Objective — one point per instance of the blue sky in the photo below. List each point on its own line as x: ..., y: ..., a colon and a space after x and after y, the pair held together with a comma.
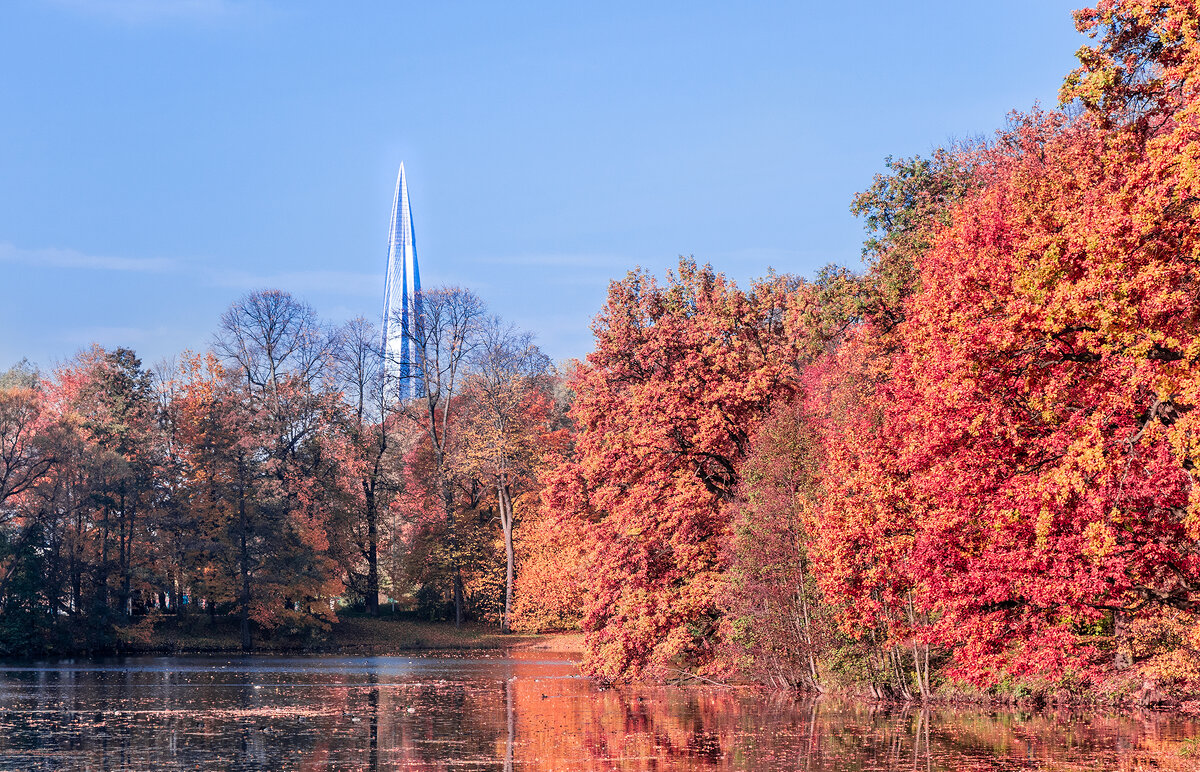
x: 160, y: 158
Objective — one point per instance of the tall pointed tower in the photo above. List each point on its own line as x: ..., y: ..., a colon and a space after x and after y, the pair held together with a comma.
x: 401, y: 297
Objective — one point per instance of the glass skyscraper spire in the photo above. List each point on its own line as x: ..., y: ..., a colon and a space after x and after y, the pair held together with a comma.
x: 401, y: 297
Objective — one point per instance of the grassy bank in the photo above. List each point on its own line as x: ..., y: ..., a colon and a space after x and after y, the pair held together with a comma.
x: 352, y: 634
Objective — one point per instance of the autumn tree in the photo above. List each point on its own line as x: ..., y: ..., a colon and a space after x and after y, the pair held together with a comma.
x: 108, y: 398
x: 506, y: 426
x: 445, y: 335
x: 280, y: 352
x: 852, y: 326
x: 557, y: 535
x: 24, y: 455
x: 359, y: 369
x: 1139, y: 77
x: 80, y: 526
x: 665, y: 407
x: 213, y: 428
x: 28, y: 454
x: 902, y: 212
x: 1036, y: 419
x: 178, y: 529
x: 778, y: 626
x: 1054, y: 334
x: 1023, y: 489
x: 554, y: 559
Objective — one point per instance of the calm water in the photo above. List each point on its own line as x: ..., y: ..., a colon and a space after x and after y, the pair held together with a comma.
x: 528, y: 713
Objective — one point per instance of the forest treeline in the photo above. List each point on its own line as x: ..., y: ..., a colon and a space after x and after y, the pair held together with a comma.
x: 972, y: 463
x: 276, y: 478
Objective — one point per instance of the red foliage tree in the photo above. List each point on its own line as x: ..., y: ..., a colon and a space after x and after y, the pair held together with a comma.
x: 665, y: 406
x: 1028, y: 463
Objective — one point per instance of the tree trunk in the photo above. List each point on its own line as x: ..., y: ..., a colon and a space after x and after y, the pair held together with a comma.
x: 900, y: 681
x: 802, y: 595
x: 372, y: 551
x: 244, y: 569
x: 77, y: 567
x: 458, y: 597
x: 122, y: 559
x: 506, y: 522
x: 917, y: 649
x: 448, y: 504
x: 1121, y: 658
x: 101, y: 599
x: 127, y: 561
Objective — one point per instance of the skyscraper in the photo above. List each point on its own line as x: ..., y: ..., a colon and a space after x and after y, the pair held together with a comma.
x: 401, y: 297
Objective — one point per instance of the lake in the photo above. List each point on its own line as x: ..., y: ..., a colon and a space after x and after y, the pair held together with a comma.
x: 526, y: 711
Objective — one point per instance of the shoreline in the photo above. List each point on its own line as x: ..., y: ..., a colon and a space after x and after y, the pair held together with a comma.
x: 360, y: 635
x: 350, y: 635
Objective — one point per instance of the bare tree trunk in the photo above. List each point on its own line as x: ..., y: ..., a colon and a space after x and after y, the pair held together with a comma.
x: 813, y: 672
x: 898, y: 674
x: 922, y: 671
x: 506, y: 521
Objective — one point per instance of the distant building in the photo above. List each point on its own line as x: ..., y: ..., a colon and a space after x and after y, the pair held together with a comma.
x: 401, y: 298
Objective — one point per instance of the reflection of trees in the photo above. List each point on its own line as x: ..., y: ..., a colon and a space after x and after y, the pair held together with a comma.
x: 373, y: 717
x: 646, y: 729
x: 513, y: 717
x: 1045, y: 738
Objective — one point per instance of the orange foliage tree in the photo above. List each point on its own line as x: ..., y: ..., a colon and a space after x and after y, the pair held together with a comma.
x: 506, y: 428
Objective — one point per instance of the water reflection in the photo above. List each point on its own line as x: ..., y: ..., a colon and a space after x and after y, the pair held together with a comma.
x: 513, y: 713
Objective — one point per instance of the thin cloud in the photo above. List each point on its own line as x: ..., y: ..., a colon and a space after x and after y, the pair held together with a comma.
x: 70, y: 258
x: 114, y: 335
x: 561, y: 336
x: 774, y: 257
x: 587, y: 268
x: 570, y: 270
x: 564, y: 260
x: 297, y: 282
